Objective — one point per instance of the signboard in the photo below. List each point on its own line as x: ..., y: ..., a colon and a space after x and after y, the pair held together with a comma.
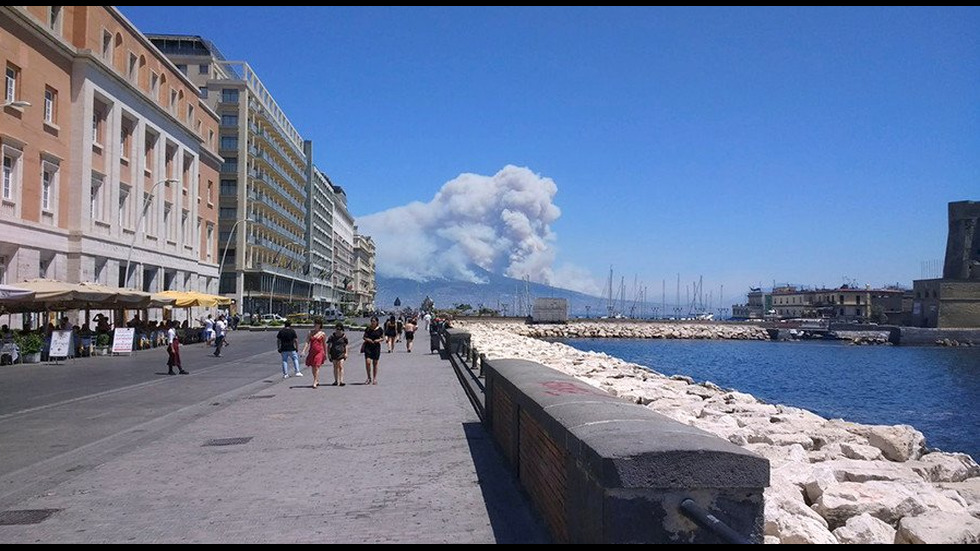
x: 122, y: 340
x: 60, y: 344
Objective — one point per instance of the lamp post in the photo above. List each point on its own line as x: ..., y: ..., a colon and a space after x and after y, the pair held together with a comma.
x: 136, y: 232
x: 14, y: 103
x: 275, y: 262
x: 221, y: 267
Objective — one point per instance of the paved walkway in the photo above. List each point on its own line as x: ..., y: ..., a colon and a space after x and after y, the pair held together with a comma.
x: 405, y: 461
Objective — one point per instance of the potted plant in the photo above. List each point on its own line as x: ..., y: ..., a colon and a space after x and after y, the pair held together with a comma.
x: 30, y: 346
x: 102, y: 343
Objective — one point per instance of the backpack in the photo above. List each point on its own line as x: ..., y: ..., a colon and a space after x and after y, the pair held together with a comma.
x: 338, y: 346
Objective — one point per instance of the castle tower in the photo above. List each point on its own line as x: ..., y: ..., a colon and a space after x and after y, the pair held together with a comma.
x: 963, y: 243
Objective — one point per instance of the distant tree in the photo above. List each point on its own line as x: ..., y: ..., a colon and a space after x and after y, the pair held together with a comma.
x: 484, y: 311
x: 462, y: 307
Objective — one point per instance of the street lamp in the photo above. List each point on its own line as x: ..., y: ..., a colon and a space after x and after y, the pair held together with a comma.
x: 15, y: 103
x: 221, y: 266
x: 275, y: 263
x: 146, y: 206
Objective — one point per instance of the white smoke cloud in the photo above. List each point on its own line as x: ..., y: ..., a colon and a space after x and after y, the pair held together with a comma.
x: 500, y: 223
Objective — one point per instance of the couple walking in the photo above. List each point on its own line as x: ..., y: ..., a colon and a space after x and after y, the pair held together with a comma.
x: 317, y: 349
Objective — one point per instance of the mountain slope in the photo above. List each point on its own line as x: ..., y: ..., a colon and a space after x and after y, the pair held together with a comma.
x: 505, y: 294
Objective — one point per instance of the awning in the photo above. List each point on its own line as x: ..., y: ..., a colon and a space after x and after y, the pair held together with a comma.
x: 187, y: 299
x: 10, y: 292
x: 49, y: 294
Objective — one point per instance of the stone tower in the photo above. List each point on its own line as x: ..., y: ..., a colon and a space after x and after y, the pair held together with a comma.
x: 963, y: 242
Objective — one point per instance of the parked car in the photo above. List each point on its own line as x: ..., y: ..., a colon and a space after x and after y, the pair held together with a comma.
x: 267, y: 318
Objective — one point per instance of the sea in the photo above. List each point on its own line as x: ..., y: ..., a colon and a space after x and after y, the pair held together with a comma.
x: 934, y: 389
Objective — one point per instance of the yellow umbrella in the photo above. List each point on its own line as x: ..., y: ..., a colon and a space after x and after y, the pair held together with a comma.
x: 187, y: 299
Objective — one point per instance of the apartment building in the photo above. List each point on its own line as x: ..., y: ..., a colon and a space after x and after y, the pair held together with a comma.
x: 110, y: 166
x: 364, y: 272
x: 343, y: 253
x: 321, y: 243
x: 264, y: 193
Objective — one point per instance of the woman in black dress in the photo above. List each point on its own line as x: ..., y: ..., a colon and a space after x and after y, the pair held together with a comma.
x: 391, y: 333
x: 373, y: 337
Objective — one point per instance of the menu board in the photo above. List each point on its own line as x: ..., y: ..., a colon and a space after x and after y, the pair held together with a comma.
x: 122, y: 340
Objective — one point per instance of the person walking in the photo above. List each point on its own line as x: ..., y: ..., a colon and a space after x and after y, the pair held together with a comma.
x: 337, y: 345
x: 400, y: 326
x: 173, y: 351
x: 219, y: 335
x: 209, y: 330
x: 391, y: 332
x: 315, y: 350
x: 287, y: 342
x: 409, y: 333
x: 373, y: 337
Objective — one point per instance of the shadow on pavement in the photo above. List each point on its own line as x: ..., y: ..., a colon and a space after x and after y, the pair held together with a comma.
x: 512, y: 518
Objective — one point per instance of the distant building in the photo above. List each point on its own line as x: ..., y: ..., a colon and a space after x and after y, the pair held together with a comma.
x: 759, y: 302
x: 954, y: 299
x: 364, y: 273
x: 843, y: 304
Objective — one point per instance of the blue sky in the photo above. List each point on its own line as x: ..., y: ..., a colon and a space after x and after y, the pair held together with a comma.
x: 741, y: 145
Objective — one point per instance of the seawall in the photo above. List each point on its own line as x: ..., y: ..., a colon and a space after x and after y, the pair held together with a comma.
x: 832, y: 481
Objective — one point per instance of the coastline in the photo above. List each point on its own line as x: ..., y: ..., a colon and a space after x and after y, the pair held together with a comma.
x: 832, y: 481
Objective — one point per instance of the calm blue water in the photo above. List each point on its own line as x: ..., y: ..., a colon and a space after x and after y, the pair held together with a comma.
x: 934, y: 389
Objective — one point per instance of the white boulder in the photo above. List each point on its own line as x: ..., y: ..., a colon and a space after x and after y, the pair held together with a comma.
x: 865, y: 529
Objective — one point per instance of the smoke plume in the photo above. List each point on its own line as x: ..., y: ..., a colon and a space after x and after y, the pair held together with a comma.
x: 500, y: 223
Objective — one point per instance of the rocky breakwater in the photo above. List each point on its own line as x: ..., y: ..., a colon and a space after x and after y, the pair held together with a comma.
x: 832, y: 481
x: 628, y: 330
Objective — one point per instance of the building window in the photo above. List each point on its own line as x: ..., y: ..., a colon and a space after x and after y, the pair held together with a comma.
x: 125, y: 132
x: 190, y: 114
x: 107, y: 46
x: 229, y: 120
x: 229, y: 142
x: 229, y: 187
x: 95, y: 199
x: 203, y: 69
x: 133, y: 67
x: 123, y: 210
x: 97, y: 127
x: 230, y: 164
x: 54, y: 19
x: 171, y: 162
x: 210, y: 240
x: 229, y: 95
x: 167, y: 230
x: 203, y: 92
x: 49, y: 185
x: 50, y: 101
x: 173, y: 101
x: 11, y: 174
x: 182, y: 68
x: 155, y: 85
x: 210, y: 192
x: 11, y: 84
x: 185, y: 238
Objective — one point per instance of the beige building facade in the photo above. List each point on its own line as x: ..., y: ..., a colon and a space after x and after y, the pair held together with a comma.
x: 110, y: 174
x: 364, y: 272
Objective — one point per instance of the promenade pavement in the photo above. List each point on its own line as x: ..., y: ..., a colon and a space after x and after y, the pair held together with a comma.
x: 405, y: 461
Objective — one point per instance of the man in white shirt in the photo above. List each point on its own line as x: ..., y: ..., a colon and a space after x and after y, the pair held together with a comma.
x: 219, y: 335
x: 173, y: 350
